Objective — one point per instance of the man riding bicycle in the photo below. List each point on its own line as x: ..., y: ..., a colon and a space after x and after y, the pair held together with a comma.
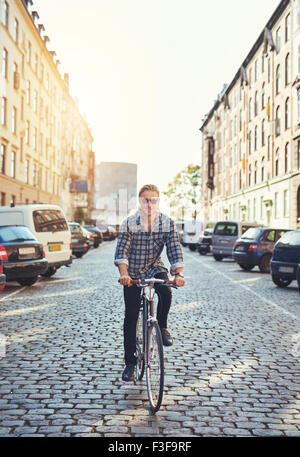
x: 141, y: 240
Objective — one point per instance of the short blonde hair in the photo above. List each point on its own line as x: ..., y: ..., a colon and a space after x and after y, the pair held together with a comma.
x: 150, y: 187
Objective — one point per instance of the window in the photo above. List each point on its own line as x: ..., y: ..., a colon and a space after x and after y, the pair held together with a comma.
x: 263, y: 97
x: 35, y: 101
x: 2, y: 198
x: 250, y: 142
x: 42, y: 73
x: 287, y: 114
x: 277, y: 121
x: 262, y: 169
x: 5, y: 14
x: 3, y: 110
x: 35, y: 175
x: 276, y: 204
x: 29, y: 53
x: 287, y: 158
x: 256, y: 104
x: 256, y: 70
x: 255, y: 173
x: 278, y: 80
x: 287, y: 69
x: 263, y: 133
x: 277, y: 163
x: 278, y: 40
x: 36, y: 63
x: 28, y: 90
x: 286, y: 209
x: 288, y: 27
x: 271, y: 235
x: 27, y: 171
x: 256, y: 138
x: 16, y: 31
x: 2, y: 158
x: 250, y: 176
x: 49, y: 221
x: 13, y: 164
x: 250, y: 109
x: 27, y: 132
x: 269, y: 147
x: 4, y: 63
x: 14, y: 120
x: 34, y: 138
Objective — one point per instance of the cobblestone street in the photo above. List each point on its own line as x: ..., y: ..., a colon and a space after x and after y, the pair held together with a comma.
x: 234, y: 368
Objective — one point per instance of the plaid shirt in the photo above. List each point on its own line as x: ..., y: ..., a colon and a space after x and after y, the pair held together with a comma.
x: 141, y: 250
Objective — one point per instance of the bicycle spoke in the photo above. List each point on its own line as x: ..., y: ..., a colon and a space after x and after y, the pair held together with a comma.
x: 139, y: 371
x: 155, y: 368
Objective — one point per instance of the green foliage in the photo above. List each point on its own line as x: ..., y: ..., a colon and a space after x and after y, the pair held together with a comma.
x: 184, y: 191
x: 79, y: 215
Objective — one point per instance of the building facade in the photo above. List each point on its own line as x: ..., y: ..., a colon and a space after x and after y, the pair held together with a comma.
x: 115, y: 191
x: 251, y: 137
x: 37, y: 156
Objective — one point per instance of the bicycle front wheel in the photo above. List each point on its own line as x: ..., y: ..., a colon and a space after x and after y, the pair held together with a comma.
x: 140, y: 361
x: 155, y: 367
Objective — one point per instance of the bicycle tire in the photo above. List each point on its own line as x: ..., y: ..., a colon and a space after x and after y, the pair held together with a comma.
x: 140, y: 362
x: 154, y: 367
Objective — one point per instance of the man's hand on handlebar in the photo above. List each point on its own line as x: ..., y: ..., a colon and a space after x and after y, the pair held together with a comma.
x: 179, y: 281
x: 125, y: 280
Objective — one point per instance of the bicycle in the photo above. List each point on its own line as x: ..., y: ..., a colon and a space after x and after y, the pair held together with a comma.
x: 149, y: 347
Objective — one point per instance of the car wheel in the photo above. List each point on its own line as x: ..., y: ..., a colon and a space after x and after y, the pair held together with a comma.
x: 246, y: 267
x: 96, y: 245
x: 50, y: 272
x: 78, y: 254
x: 264, y: 265
x: 281, y: 282
x: 218, y: 258
x: 202, y: 252
x: 192, y: 248
x: 27, y: 281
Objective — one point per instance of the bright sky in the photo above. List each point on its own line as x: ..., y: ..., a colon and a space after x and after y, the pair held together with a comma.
x: 147, y: 71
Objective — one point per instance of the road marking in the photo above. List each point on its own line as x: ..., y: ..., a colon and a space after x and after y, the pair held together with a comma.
x: 13, y: 293
x: 268, y: 302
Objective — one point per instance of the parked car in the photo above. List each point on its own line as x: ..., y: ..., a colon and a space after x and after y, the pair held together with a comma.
x: 22, y: 255
x: 225, y: 235
x: 89, y: 236
x: 204, y: 242
x: 97, y: 234
x: 286, y: 258
x: 48, y: 224
x: 80, y: 243
x: 2, y: 276
x: 255, y: 247
x: 108, y: 232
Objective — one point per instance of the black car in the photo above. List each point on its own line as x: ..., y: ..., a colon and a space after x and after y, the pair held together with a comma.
x: 22, y: 254
x: 286, y: 258
x: 204, y: 242
x: 80, y: 243
x: 97, y: 234
x: 2, y: 276
x: 106, y: 232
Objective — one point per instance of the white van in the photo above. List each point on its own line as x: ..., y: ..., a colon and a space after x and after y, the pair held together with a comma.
x: 192, y: 231
x: 49, y: 225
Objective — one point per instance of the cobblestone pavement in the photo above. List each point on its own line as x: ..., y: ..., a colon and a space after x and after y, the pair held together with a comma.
x: 233, y: 370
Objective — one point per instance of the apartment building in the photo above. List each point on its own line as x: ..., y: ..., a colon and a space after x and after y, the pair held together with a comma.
x: 36, y: 158
x: 250, y: 138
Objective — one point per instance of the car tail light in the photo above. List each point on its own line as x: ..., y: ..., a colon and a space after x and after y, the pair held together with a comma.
x: 44, y: 255
x: 253, y: 247
x: 3, y: 254
x: 234, y: 246
x: 71, y: 246
x: 1, y: 268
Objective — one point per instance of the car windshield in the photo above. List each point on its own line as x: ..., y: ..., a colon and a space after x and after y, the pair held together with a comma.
x: 103, y: 227
x: 289, y: 240
x: 49, y: 220
x: 9, y: 234
x: 226, y: 228
x: 74, y: 228
x: 251, y: 233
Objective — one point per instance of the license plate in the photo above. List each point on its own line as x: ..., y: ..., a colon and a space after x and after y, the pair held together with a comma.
x: 24, y: 251
x: 224, y: 241
x: 240, y: 248
x: 191, y: 234
x: 54, y: 247
x: 75, y: 241
x: 286, y: 269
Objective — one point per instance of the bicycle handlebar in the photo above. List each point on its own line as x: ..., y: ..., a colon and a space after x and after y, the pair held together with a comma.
x: 146, y: 282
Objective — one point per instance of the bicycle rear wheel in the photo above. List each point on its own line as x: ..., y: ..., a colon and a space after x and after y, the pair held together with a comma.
x: 139, y: 353
x: 155, y: 367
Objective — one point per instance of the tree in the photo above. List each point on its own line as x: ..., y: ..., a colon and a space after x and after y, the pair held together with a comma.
x: 184, y: 192
x: 79, y: 215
